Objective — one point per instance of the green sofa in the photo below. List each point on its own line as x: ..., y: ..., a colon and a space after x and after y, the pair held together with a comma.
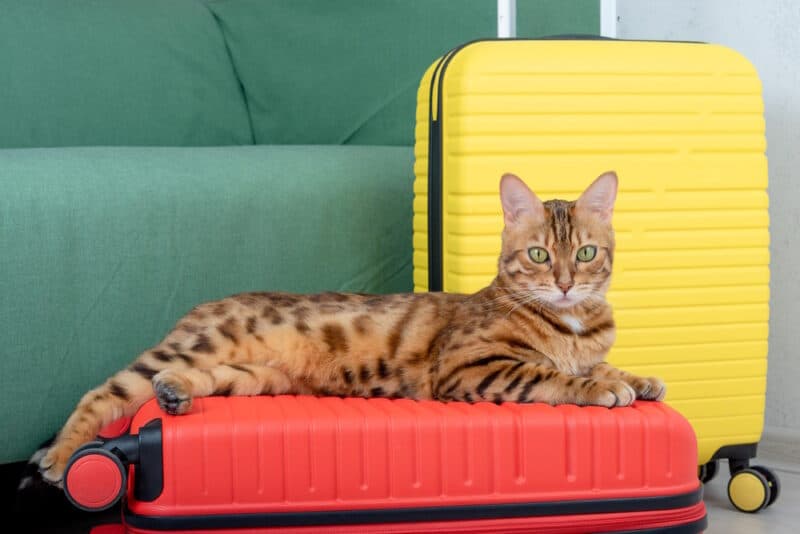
x: 154, y: 155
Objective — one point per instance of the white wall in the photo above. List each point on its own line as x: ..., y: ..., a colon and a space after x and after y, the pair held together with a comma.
x: 767, y: 32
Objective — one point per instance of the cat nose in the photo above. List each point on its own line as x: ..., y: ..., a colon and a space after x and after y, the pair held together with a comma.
x: 565, y: 286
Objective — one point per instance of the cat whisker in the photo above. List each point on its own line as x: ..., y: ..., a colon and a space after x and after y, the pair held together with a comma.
x: 502, y: 301
x: 527, y: 299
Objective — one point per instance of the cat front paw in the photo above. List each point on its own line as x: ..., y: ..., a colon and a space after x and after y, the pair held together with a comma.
x: 172, y: 393
x: 610, y: 393
x: 649, y: 388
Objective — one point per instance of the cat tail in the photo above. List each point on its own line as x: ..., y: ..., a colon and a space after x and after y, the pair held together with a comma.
x: 34, y: 493
x: 30, y: 473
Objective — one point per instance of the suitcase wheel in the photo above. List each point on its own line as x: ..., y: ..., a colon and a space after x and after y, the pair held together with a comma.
x: 94, y: 479
x: 707, y: 472
x: 115, y: 429
x: 96, y: 444
x: 749, y: 490
x: 772, y: 479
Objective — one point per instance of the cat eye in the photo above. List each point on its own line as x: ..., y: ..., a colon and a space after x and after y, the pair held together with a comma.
x: 538, y: 255
x: 587, y: 253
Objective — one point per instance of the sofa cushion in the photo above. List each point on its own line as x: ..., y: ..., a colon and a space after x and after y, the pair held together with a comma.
x: 116, y: 72
x: 104, y: 249
x: 317, y: 71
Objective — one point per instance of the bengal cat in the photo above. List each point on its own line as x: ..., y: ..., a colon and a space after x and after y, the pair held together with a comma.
x: 538, y: 333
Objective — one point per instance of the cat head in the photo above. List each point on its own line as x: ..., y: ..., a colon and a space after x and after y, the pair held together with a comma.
x: 557, y: 253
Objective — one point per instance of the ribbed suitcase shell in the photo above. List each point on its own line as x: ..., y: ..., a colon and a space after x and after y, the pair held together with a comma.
x: 297, y: 454
x: 682, y: 125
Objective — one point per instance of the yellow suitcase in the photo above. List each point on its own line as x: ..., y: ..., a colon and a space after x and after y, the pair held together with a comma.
x: 682, y: 125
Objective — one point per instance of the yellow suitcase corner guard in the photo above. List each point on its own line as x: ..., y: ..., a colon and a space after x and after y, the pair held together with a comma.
x: 682, y: 124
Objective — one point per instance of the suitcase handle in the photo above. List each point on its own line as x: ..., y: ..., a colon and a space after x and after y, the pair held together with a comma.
x: 575, y: 37
x: 507, y: 20
x: 95, y: 478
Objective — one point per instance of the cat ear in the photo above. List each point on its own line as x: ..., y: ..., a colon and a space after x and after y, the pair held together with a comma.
x: 598, y: 199
x: 519, y: 202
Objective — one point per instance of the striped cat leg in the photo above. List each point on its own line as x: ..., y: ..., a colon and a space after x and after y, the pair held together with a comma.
x: 175, y: 388
x: 649, y: 388
x: 507, y: 378
x: 119, y: 396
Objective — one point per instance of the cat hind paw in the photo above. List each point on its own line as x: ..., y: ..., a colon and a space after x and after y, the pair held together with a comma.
x: 171, y: 395
x: 53, y: 464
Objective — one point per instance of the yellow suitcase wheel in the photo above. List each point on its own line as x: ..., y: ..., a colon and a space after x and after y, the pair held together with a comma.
x: 707, y: 472
x: 749, y: 490
x: 772, y: 479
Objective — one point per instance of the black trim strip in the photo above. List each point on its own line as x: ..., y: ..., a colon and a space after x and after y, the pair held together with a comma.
x: 434, y: 184
x: 435, y: 252
x: 406, y: 515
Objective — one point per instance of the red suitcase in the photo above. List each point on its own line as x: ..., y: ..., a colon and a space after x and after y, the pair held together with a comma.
x: 304, y: 464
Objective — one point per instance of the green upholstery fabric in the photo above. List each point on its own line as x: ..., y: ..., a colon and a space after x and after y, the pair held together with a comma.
x: 105, y: 248
x: 319, y: 71
x: 116, y: 72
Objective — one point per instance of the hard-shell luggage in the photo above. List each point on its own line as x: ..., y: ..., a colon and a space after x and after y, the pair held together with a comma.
x: 682, y: 125
x: 306, y: 464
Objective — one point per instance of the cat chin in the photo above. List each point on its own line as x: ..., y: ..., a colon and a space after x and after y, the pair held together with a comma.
x: 564, y: 303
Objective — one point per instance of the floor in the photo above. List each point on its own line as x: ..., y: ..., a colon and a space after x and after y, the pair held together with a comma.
x: 782, y: 517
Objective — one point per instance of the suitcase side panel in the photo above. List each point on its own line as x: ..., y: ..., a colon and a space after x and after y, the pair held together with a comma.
x: 682, y: 124
x: 301, y: 454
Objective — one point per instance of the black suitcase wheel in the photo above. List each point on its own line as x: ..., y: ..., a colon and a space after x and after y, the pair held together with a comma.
x: 707, y: 472
x: 94, y: 479
x: 772, y: 480
x: 749, y: 490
